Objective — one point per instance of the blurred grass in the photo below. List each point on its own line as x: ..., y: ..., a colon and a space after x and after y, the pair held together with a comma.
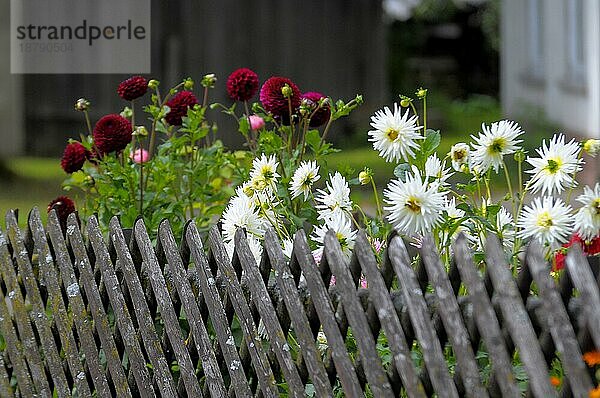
x: 26, y: 182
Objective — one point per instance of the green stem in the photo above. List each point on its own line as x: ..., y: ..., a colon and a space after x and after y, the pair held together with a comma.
x: 579, y: 157
x: 133, y: 138
x: 424, y: 115
x: 377, y: 202
x: 141, y: 177
x: 326, y: 130
x: 251, y: 136
x: 509, y: 184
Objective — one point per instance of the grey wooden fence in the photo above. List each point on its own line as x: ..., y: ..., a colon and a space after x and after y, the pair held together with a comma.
x: 129, y: 317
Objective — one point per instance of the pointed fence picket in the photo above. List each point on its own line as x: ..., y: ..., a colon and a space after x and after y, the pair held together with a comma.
x: 86, y: 314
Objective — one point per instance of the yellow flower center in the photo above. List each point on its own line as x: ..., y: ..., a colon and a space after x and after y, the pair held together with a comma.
x: 459, y: 154
x: 596, y: 206
x: 392, y: 134
x: 544, y: 220
x: 497, y: 145
x: 341, y: 238
x: 554, y: 165
x: 267, y: 173
x: 413, y: 204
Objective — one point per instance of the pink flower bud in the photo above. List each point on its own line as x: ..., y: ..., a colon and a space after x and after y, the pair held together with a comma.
x: 256, y: 122
x: 139, y: 156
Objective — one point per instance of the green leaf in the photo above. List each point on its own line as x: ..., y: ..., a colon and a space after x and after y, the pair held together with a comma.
x: 431, y: 142
x: 313, y: 140
x: 401, y: 170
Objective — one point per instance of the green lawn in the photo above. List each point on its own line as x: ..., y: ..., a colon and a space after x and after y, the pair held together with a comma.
x: 26, y: 182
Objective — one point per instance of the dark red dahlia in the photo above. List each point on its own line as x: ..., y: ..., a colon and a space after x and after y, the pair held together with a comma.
x: 112, y: 133
x: 179, y: 105
x: 132, y: 88
x: 242, y: 84
x: 321, y: 116
x: 74, y: 157
x: 275, y: 102
x: 63, y: 206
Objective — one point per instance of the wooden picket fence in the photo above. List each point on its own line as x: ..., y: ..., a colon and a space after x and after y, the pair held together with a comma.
x: 124, y: 316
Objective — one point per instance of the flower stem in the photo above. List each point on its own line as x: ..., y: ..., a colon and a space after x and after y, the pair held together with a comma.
x: 141, y: 177
x: 133, y: 137
x: 509, y: 184
x: 579, y: 157
x: 251, y: 137
x: 377, y: 202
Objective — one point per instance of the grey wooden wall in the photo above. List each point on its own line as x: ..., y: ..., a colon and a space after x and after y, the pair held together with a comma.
x: 337, y: 47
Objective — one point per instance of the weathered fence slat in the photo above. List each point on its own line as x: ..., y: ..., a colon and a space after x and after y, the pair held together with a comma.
x: 304, y: 335
x: 516, y: 319
x: 419, y: 315
x: 76, y: 306
x: 452, y: 319
x: 324, y: 308
x: 388, y: 318
x: 165, y: 307
x: 217, y: 313
x: 123, y: 316
x: 101, y: 322
x: 38, y: 312
x: 26, y: 341
x: 15, y: 352
x: 583, y: 280
x: 558, y: 322
x: 50, y: 278
x: 264, y: 373
x: 374, y: 372
x: 486, y: 320
x: 210, y: 367
x: 267, y: 313
x: 160, y: 367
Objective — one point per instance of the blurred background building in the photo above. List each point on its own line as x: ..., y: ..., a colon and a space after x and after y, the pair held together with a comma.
x: 550, y: 65
x: 540, y: 57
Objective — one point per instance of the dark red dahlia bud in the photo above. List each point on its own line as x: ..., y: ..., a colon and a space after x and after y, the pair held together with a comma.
x: 132, y: 88
x: 74, y: 157
x: 275, y: 101
x: 112, y: 133
x: 242, y: 84
x: 179, y: 105
x: 322, y: 114
x: 63, y: 206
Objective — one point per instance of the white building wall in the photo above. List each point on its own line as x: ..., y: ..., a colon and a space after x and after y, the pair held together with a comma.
x: 573, y: 104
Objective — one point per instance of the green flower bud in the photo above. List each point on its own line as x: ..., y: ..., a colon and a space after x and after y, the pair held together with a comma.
x: 421, y: 93
x: 519, y: 156
x: 127, y: 113
x: 209, y: 80
x: 188, y: 84
x: 153, y: 84
x: 82, y: 105
x: 287, y: 91
x: 591, y: 147
x: 405, y: 102
x: 140, y: 131
x: 365, y: 176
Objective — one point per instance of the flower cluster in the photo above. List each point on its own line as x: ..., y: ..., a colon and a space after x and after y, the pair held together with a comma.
x: 422, y: 200
x: 171, y: 164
